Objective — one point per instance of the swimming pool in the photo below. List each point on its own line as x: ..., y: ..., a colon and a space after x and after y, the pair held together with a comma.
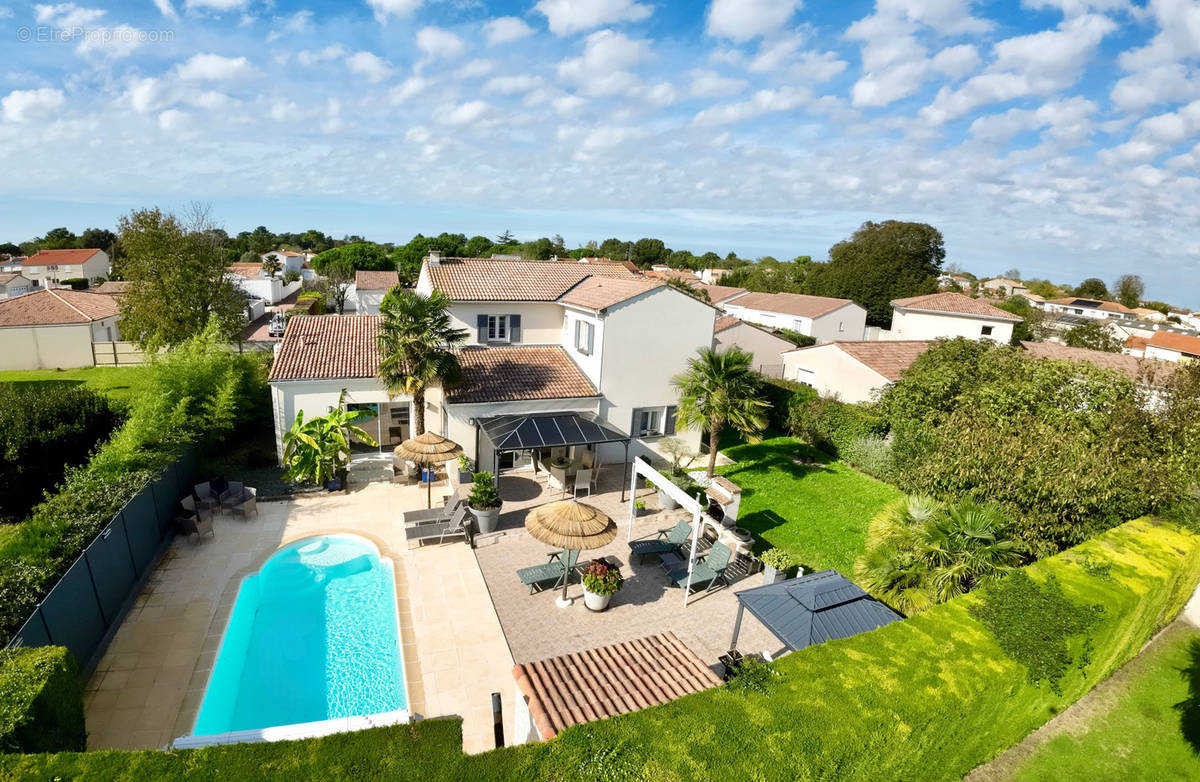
x: 312, y: 636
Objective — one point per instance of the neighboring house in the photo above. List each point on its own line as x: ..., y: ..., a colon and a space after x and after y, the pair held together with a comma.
x: 720, y: 295
x: 55, y: 328
x: 712, y: 276
x: 116, y: 288
x: 1145, y: 313
x: 1004, y: 286
x: 822, y: 318
x: 1136, y: 369
x: 756, y: 340
x: 956, y: 281
x: 949, y: 315
x: 667, y: 273
x: 1037, y: 301
x: 1090, y: 308
x: 369, y: 289
x: 1136, y: 346
x: 14, y: 284
x: 1168, y: 346
x: 49, y: 268
x: 253, y: 281
x: 289, y: 260
x: 553, y: 348
x: 11, y: 263
x: 851, y: 371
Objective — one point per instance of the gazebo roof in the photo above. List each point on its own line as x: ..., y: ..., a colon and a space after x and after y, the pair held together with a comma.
x: 522, y: 432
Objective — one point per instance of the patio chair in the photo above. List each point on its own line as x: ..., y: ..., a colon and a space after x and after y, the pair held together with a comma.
x: 435, y: 515
x: 232, y: 494
x: 666, y: 542
x: 193, y: 508
x: 459, y: 523
x: 708, y: 573
x: 551, y: 575
x: 206, y: 496
x: 584, y: 481
x: 193, y: 525
x: 249, y: 502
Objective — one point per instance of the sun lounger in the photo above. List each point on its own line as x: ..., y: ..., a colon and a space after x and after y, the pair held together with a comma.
x: 459, y: 523
x: 706, y: 574
x: 435, y: 515
x: 551, y: 575
x: 667, y: 542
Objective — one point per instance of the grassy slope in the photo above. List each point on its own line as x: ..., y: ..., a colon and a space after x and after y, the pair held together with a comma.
x: 818, y: 513
x: 118, y: 383
x: 1141, y: 734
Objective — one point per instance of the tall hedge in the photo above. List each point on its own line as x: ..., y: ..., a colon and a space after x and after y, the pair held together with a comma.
x: 784, y: 396
x: 41, y: 701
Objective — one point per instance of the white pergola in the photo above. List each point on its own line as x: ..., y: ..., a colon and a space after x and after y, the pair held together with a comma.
x: 691, y: 504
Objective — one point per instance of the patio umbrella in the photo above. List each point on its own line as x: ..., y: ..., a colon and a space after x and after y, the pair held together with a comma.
x: 570, y: 525
x: 428, y: 449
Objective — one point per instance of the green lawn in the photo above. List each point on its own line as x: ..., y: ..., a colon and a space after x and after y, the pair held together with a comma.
x: 818, y: 510
x: 120, y: 384
x: 1150, y: 731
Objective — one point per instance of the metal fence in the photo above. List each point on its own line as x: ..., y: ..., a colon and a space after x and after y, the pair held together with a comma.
x: 94, y: 594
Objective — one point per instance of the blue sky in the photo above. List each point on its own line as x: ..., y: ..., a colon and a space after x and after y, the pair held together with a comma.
x: 1059, y: 137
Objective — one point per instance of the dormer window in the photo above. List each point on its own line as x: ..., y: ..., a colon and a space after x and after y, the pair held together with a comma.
x: 497, y: 328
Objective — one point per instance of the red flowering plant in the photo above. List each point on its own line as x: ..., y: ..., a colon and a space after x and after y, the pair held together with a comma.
x: 601, y: 579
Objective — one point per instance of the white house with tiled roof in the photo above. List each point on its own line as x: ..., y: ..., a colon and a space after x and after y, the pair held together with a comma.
x: 369, y: 289
x: 591, y: 341
x: 820, y: 317
x: 55, y: 328
x: 765, y: 347
x: 14, y: 284
x: 48, y: 268
x: 851, y: 371
x: 949, y: 315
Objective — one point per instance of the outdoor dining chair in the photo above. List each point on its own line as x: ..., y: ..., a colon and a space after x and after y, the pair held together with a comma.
x: 206, y: 496
x: 249, y: 502
x: 584, y: 482
x: 194, y: 525
x: 233, y: 494
x: 193, y: 508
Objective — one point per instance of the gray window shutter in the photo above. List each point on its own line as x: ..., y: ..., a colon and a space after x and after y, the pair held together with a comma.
x: 514, y: 328
x: 578, y: 329
x: 633, y: 427
x: 481, y: 324
x: 591, y: 334
x: 669, y: 423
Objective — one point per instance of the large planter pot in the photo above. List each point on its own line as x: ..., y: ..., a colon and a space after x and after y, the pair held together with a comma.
x: 666, y: 501
x: 595, y: 602
x: 465, y: 477
x: 773, y: 576
x: 487, y: 520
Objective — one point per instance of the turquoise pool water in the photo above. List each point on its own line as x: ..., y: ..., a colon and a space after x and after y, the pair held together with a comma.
x: 312, y: 636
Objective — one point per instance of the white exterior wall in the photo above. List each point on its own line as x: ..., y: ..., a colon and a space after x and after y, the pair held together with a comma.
x: 46, y: 347
x: 17, y: 286
x: 541, y: 322
x: 272, y: 291
x: 833, y: 373
x: 367, y: 302
x: 49, y: 275
x: 907, y: 324
x: 847, y: 322
x: 106, y: 330
x: 1164, y: 354
x: 766, y: 348
x: 775, y: 320
x: 316, y: 397
x: 589, y: 364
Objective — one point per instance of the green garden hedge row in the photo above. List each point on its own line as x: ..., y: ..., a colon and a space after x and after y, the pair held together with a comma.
x: 928, y: 698
x: 41, y: 701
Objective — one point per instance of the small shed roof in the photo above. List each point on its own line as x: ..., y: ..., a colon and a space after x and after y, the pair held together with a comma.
x: 815, y: 608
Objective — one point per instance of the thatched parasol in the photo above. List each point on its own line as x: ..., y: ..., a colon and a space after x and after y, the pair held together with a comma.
x: 428, y: 449
x: 572, y: 526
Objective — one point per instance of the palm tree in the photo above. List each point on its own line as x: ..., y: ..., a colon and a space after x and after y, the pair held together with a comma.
x: 318, y: 449
x: 416, y: 341
x: 719, y: 389
x: 921, y: 552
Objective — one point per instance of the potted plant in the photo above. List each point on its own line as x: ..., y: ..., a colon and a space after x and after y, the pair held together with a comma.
x: 464, y: 469
x: 776, y: 564
x: 639, y: 505
x: 600, y: 583
x: 484, y: 502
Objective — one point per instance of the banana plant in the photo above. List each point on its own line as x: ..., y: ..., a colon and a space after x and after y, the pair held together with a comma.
x: 316, y: 450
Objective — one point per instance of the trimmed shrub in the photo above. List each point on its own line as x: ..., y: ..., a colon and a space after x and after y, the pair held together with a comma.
x: 76, y: 283
x: 783, y: 396
x: 834, y: 426
x: 41, y: 701
x: 872, y: 454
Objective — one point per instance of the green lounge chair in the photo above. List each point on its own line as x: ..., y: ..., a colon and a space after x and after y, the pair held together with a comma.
x: 707, y: 573
x: 667, y: 542
x: 557, y: 570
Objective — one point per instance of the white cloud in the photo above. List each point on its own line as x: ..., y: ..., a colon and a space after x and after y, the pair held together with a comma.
x: 332, y: 121
x: 1155, y: 85
x: 763, y: 102
x: 466, y: 113
x: 602, y: 68
x: 28, y: 105
x: 437, y: 43
x: 506, y: 29
x: 282, y: 110
x: 710, y: 84
x: 166, y: 8
x: 410, y: 87
x: 212, y: 67
x: 66, y: 15
x: 210, y: 100
x: 1178, y: 37
x: 598, y: 141
x: 775, y: 53
x: 572, y: 16
x: 5, y: 13
x: 217, y: 5
x: 146, y: 95
x: 948, y: 17
x: 569, y: 104
x: 295, y: 24
x: 110, y: 43
x: 371, y: 66
x: 511, y: 85
x: 308, y: 57
x: 399, y: 8
x: 818, y: 67
x: 1067, y: 120
x: 474, y: 69
x: 172, y: 120
x: 1156, y: 136
x: 742, y: 20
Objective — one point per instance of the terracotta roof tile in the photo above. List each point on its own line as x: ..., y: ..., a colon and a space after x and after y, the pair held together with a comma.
x: 586, y: 686
x: 507, y: 374
x: 375, y: 281
x: 889, y: 358
x: 1171, y: 341
x: 718, y: 293
x: 682, y: 275
x: 1095, y: 304
x: 600, y: 293
x: 250, y: 271
x: 1132, y: 367
x: 114, y: 287
x: 45, y: 257
x: 1135, y: 342
x: 790, y: 303
x: 955, y: 303
x: 725, y: 322
x: 328, y: 347
x: 54, y: 306
x: 485, y: 279
x: 8, y: 277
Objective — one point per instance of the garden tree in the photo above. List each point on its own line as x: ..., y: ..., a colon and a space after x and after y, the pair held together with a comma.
x: 695, y: 293
x: 719, y: 389
x: 616, y: 249
x: 10, y: 249
x: 1033, y: 320
x: 1092, y: 288
x: 1161, y: 306
x: 358, y: 256
x: 921, y: 552
x: 881, y: 262
x: 649, y: 252
x: 260, y: 240
x: 314, y: 240
x: 335, y: 285
x: 477, y: 247
x: 58, y: 239
x: 417, y: 346
x: 506, y: 237
x: 317, y: 450
x: 178, y: 279
x: 271, y: 265
x: 1013, y: 274
x: 538, y: 250
x: 1093, y: 335
x: 1083, y: 448
x: 249, y: 257
x: 557, y: 246
x: 1044, y: 288
x: 770, y: 276
x: 682, y: 259
x: 99, y: 238
x: 1129, y: 289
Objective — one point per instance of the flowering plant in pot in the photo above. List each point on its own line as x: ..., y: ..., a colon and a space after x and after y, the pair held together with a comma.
x: 484, y: 502
x: 776, y: 564
x: 600, y: 582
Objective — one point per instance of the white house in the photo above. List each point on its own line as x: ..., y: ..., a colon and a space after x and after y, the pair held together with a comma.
x: 14, y: 284
x: 720, y: 295
x: 712, y: 276
x: 290, y: 260
x: 1090, y: 308
x: 11, y: 263
x: 1004, y: 286
x: 565, y: 363
x: 251, y: 279
x: 1169, y: 346
x: 369, y: 290
x: 49, y: 268
x: 756, y: 340
x: 851, y: 371
x: 822, y: 318
x: 949, y: 315
x: 55, y: 328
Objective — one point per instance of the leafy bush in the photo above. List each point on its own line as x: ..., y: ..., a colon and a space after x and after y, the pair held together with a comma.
x: 783, y: 396
x: 753, y: 674
x: 600, y: 579
x: 291, y: 276
x: 317, y: 297
x: 76, y: 283
x: 41, y: 701
x: 834, y: 426
x: 484, y: 495
x: 872, y: 454
x: 44, y: 429
x: 778, y: 559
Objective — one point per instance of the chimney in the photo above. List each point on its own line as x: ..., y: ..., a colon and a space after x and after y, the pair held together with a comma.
x: 435, y: 257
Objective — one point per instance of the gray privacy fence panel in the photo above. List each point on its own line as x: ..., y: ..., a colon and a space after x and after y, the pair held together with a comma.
x: 143, y: 533
x: 72, y: 612
x: 112, y: 569
x: 164, y: 493
x: 33, y: 632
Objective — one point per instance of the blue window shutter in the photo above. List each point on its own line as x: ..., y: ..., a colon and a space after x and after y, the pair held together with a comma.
x: 481, y: 324
x: 514, y: 328
x: 669, y: 424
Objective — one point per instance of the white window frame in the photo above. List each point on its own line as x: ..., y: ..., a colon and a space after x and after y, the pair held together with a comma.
x: 497, y: 328
x: 585, y: 333
x: 659, y: 416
